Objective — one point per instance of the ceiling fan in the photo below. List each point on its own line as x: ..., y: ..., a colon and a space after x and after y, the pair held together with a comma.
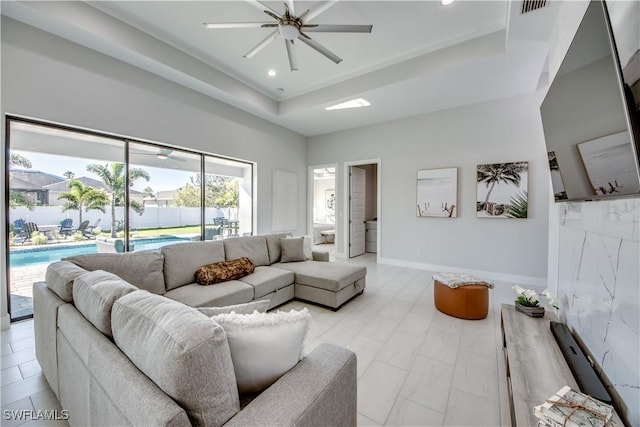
x: 162, y: 154
x: 293, y: 27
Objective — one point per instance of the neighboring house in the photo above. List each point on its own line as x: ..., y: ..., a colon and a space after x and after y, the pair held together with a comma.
x: 62, y: 187
x: 44, y: 189
x: 162, y: 199
x: 34, y: 184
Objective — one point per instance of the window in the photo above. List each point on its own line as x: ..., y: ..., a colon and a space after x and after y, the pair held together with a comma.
x: 68, y: 189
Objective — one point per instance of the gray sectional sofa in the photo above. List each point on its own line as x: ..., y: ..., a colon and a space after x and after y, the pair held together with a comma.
x: 153, y: 376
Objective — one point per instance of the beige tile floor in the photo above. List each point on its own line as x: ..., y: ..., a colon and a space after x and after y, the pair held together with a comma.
x: 416, y: 366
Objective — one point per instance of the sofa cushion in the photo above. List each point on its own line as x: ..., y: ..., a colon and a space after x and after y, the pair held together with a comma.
x: 60, y: 276
x: 268, y: 279
x: 264, y: 346
x: 222, y: 271
x: 331, y: 276
x: 252, y: 247
x: 182, y: 351
x: 183, y: 259
x: 94, y: 294
x: 261, y: 306
x: 273, y: 245
x: 142, y: 269
x: 221, y: 294
x: 292, y: 249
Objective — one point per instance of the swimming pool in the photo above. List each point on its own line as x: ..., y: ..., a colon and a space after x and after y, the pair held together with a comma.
x: 49, y: 254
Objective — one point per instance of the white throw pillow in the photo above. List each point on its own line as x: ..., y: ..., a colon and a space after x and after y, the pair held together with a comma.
x: 308, y: 251
x: 262, y: 306
x: 264, y: 346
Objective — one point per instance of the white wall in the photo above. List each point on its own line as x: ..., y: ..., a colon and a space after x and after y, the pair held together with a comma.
x: 51, y: 79
x: 594, y: 250
x: 500, y: 131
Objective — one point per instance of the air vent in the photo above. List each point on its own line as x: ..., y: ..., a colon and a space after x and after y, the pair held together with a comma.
x: 531, y: 5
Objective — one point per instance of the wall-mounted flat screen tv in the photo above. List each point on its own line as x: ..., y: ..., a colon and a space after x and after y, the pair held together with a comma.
x: 591, y: 112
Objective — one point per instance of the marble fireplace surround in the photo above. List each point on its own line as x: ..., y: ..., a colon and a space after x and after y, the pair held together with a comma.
x: 599, y: 288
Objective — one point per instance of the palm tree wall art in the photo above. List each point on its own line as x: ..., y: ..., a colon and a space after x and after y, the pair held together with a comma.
x: 502, y: 190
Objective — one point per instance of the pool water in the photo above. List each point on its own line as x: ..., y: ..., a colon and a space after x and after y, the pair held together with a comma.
x: 47, y: 255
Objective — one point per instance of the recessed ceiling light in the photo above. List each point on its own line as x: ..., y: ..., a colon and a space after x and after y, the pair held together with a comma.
x: 354, y: 103
x: 272, y: 73
x: 280, y: 89
x: 446, y: 2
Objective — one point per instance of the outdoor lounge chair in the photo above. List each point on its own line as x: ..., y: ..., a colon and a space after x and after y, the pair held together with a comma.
x: 82, y: 228
x: 90, y: 228
x: 66, y: 227
x: 18, y: 226
x: 27, y: 230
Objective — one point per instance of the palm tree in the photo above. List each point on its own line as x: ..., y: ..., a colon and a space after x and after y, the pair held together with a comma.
x: 509, y: 173
x: 16, y: 159
x: 81, y: 197
x: 69, y: 175
x: 113, y: 177
x: 17, y: 198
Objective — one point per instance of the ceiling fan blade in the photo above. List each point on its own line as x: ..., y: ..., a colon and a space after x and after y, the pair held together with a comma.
x: 262, y: 44
x: 311, y: 28
x: 323, y: 50
x: 290, y: 8
x: 293, y: 62
x: 317, y: 11
x: 237, y: 25
x: 263, y: 7
x: 273, y: 15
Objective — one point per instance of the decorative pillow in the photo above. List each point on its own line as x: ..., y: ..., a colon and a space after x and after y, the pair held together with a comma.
x: 248, y: 308
x: 224, y: 271
x: 292, y: 249
x: 264, y: 346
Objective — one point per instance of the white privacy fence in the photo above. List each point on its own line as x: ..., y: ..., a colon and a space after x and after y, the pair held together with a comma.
x: 153, y: 217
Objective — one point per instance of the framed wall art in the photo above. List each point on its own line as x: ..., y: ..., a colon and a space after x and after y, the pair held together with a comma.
x: 502, y: 190
x: 437, y: 193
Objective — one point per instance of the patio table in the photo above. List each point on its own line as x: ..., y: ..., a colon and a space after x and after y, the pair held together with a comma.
x: 49, y: 230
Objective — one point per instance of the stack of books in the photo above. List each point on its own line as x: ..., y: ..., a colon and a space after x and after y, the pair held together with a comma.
x: 570, y: 408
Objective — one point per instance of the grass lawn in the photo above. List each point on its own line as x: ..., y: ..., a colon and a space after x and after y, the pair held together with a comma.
x: 155, y: 232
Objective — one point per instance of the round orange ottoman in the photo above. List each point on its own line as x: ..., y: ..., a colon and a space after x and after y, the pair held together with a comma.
x: 466, y: 302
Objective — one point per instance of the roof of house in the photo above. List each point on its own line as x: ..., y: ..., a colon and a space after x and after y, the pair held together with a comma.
x: 89, y: 182
x: 28, y: 179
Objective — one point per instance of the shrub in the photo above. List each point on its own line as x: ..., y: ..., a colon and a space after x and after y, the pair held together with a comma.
x: 77, y: 236
x: 37, y: 238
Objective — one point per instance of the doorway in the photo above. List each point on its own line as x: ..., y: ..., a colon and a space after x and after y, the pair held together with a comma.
x: 363, y: 190
x: 323, y: 207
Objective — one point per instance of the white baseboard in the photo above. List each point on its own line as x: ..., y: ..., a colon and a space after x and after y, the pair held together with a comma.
x: 512, y: 278
x: 5, y: 322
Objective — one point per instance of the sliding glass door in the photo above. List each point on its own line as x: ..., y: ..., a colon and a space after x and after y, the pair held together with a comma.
x: 57, y: 204
x: 164, y: 196
x: 75, y: 192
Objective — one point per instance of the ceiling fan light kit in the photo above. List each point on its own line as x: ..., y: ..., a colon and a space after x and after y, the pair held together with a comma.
x: 289, y: 31
x: 291, y: 27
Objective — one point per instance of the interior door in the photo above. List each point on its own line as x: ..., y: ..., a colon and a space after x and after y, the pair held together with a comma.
x: 357, y: 179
